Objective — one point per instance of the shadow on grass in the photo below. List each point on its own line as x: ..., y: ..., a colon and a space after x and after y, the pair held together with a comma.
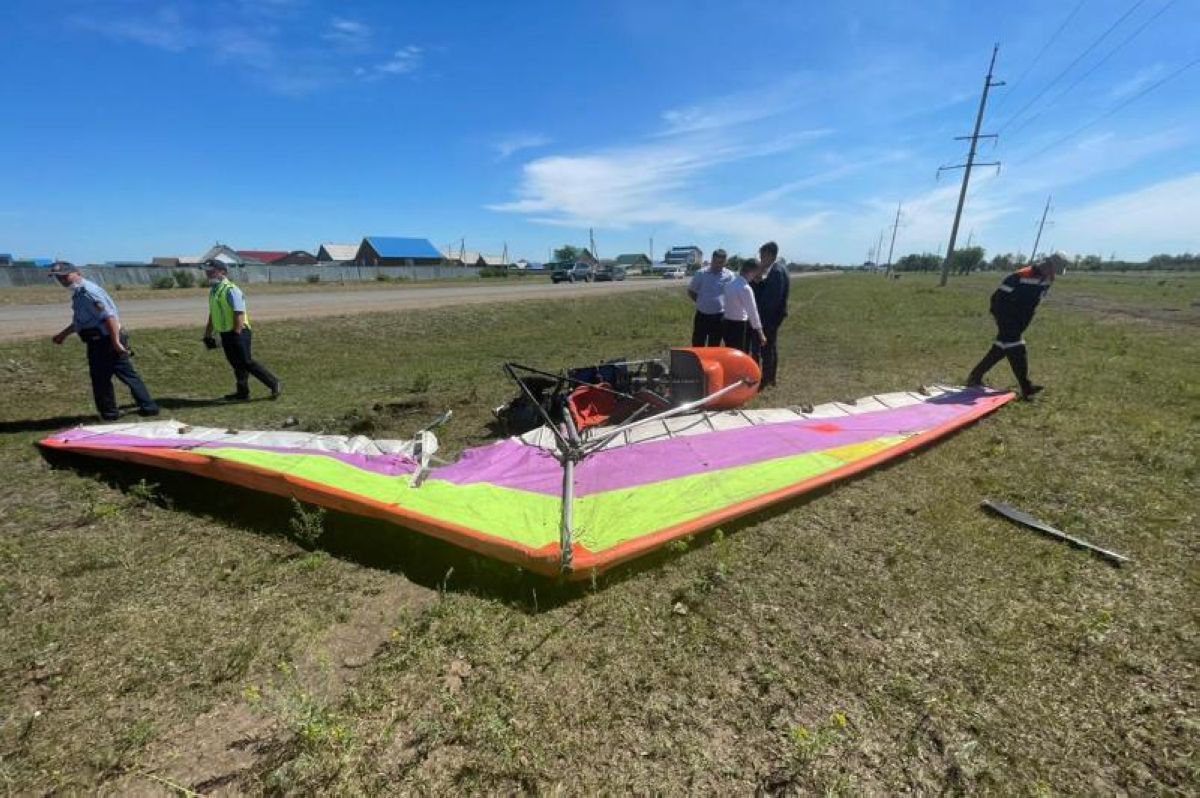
x: 44, y: 424
x: 369, y: 542
x: 424, y: 560
x: 183, y: 402
x: 128, y: 413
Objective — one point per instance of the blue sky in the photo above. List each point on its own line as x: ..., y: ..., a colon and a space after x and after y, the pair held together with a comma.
x: 136, y: 129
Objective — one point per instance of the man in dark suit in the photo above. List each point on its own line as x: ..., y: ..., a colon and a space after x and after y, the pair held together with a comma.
x: 771, y: 293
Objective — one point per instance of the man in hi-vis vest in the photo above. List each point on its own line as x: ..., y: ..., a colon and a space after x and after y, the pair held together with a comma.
x: 228, y: 318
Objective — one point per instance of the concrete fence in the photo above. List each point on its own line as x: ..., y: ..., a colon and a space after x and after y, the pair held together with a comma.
x: 110, y: 276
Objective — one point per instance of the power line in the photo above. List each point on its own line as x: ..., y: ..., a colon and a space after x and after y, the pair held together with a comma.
x: 1111, y: 111
x: 1013, y: 87
x: 1095, y: 66
x: 1071, y: 65
x: 988, y: 85
x: 1041, y: 226
x: 892, y: 246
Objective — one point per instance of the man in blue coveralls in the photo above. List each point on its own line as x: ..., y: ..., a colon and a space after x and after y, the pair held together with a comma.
x: 95, y: 320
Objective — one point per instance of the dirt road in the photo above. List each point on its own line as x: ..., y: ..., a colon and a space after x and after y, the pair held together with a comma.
x: 37, y: 319
x: 34, y: 320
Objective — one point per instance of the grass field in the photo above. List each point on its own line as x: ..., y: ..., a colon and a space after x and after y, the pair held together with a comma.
x: 884, y: 635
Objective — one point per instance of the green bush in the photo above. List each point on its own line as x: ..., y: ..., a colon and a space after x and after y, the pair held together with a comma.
x: 184, y: 278
x: 313, y: 278
x: 493, y: 271
x: 163, y: 283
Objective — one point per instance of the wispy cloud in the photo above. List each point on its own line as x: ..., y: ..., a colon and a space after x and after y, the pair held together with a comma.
x: 1157, y: 218
x: 348, y: 35
x: 649, y: 184
x: 1138, y: 81
x: 508, y: 145
x: 164, y: 29
x: 260, y: 38
x: 403, y: 61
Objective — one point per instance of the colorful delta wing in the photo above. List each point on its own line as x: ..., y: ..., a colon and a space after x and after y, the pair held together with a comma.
x: 651, y: 484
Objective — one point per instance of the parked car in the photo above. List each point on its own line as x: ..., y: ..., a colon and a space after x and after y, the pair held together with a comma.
x: 678, y: 273
x: 577, y: 272
x: 615, y: 273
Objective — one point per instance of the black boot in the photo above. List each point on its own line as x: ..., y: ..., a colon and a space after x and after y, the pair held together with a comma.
x: 1018, y: 358
x: 993, y: 356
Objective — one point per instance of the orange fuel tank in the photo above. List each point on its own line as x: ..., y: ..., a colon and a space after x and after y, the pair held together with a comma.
x: 703, y: 370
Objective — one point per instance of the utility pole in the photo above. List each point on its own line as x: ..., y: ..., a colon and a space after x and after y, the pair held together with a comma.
x: 988, y: 85
x: 892, y: 246
x: 592, y: 242
x: 879, y: 248
x: 652, y: 249
x: 1041, y: 224
x: 970, y: 237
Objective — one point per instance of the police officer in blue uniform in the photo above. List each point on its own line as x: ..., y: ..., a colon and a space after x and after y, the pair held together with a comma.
x: 95, y: 320
x: 1012, y: 305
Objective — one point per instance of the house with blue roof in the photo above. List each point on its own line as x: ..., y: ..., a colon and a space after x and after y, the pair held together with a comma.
x: 391, y: 251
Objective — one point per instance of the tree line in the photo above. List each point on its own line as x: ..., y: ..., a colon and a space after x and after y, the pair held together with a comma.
x: 970, y: 259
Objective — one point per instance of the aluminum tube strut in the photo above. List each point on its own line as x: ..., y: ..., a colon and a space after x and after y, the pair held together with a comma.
x: 674, y: 411
x: 566, y: 536
x: 570, y: 454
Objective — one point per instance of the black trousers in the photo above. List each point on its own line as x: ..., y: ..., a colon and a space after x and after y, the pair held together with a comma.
x: 706, y: 329
x: 767, y: 354
x: 1009, y: 345
x: 238, y: 353
x: 103, y: 365
x: 736, y: 334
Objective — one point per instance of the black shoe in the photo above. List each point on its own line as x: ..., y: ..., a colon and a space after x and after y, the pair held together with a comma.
x: 277, y: 391
x: 977, y: 384
x: 1031, y: 390
x: 236, y: 397
x: 149, y: 412
x: 111, y: 418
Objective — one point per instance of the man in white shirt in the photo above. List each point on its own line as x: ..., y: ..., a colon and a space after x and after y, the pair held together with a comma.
x: 707, y: 290
x: 741, y: 320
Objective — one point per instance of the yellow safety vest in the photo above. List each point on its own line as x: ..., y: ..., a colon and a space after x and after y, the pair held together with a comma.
x: 220, y: 309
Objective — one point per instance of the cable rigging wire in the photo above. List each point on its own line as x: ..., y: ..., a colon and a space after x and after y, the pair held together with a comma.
x: 1110, y: 111
x: 1138, y: 4
x: 1097, y: 65
x: 1013, y: 86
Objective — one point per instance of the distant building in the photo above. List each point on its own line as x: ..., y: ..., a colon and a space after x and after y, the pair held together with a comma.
x: 391, y: 251
x: 173, y: 262
x: 634, y: 260
x: 257, y: 256
x: 461, y: 257
x: 335, y: 253
x: 689, y: 255
x: 126, y: 264
x: 5, y: 259
x: 33, y: 263
x: 222, y: 253
x: 297, y: 257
